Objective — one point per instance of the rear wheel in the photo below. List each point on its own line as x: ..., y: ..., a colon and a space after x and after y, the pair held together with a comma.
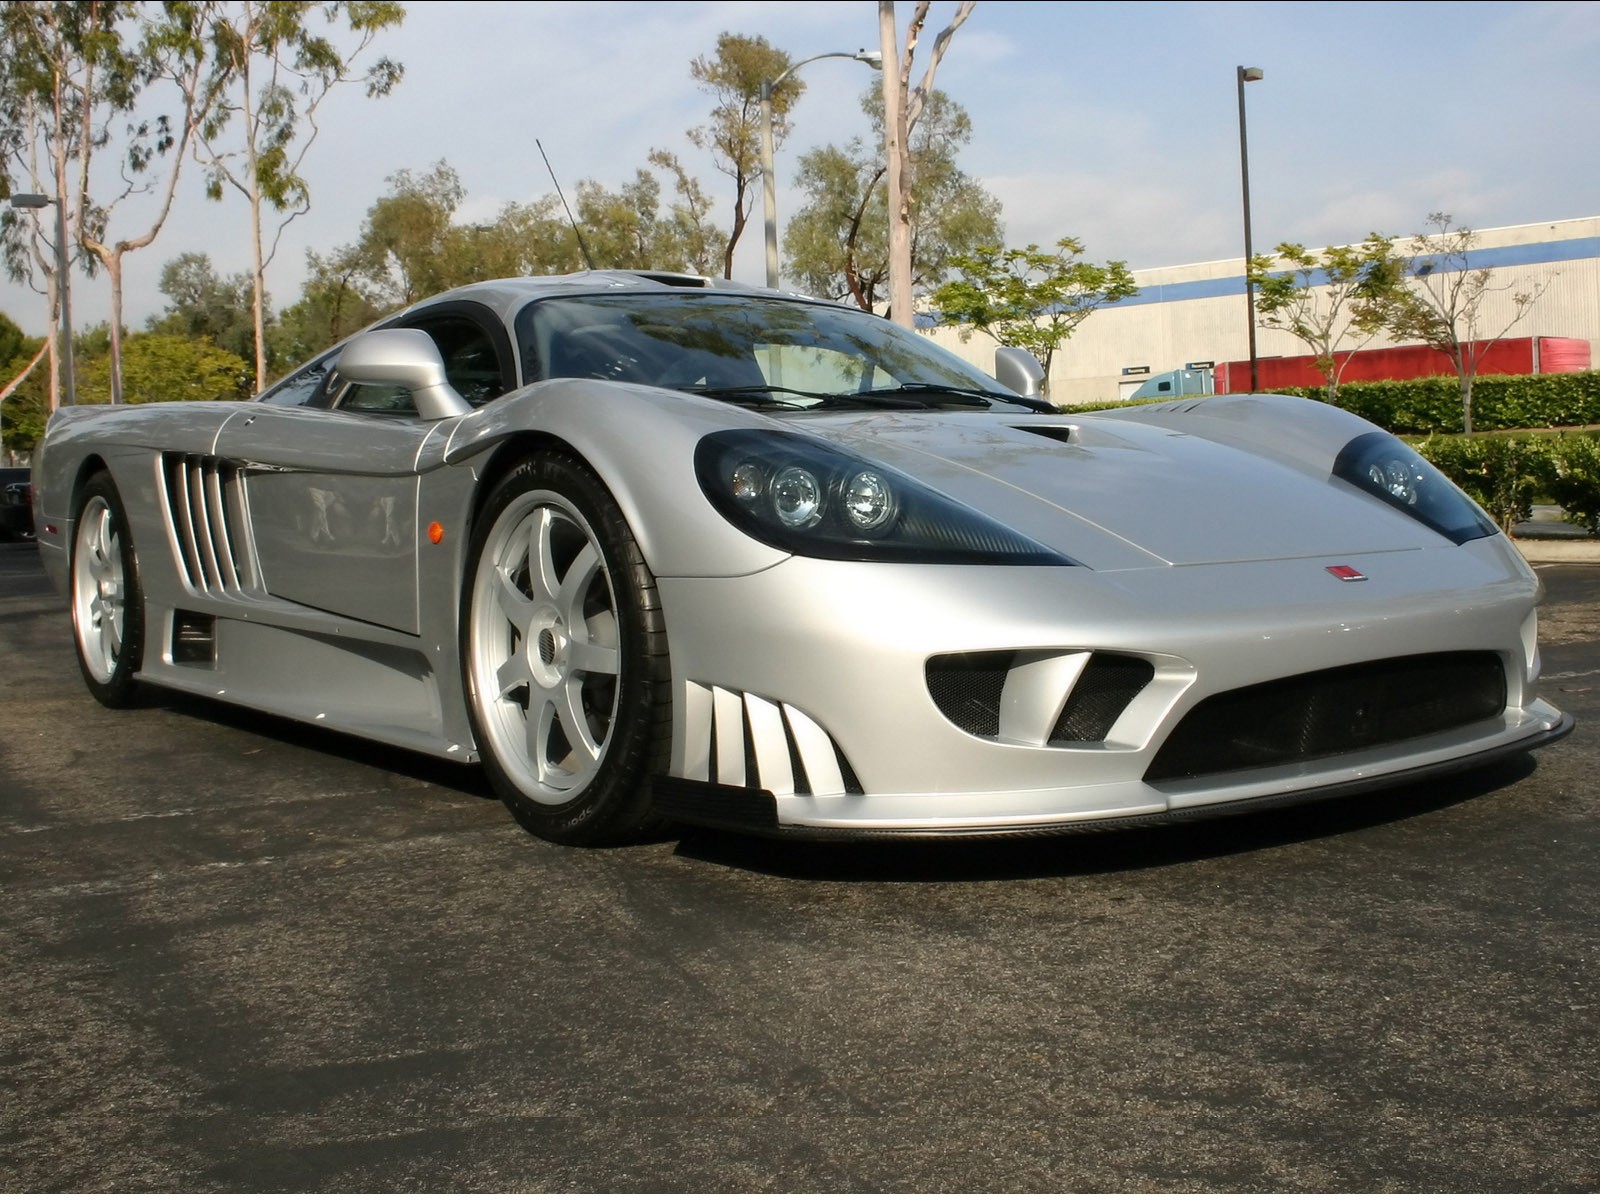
x: 564, y: 654
x: 107, y: 603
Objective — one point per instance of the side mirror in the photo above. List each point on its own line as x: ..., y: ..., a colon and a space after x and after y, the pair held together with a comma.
x: 404, y: 358
x: 1019, y: 371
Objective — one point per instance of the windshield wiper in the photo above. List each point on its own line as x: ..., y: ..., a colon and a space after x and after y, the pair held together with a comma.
x: 902, y: 396
x: 758, y: 395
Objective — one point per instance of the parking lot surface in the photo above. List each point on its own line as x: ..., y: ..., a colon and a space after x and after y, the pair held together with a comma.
x: 242, y: 955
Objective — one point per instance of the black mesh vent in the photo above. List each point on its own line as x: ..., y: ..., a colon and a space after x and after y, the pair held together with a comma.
x: 1333, y: 712
x: 1107, y: 686
x: 967, y: 687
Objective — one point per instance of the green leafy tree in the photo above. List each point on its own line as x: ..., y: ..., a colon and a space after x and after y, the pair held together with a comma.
x: 271, y: 72
x: 203, y: 304
x: 686, y: 239
x: 163, y: 366
x: 170, y: 50
x: 1031, y: 298
x: 1440, y: 301
x: 734, y: 76
x: 68, y: 75
x: 837, y: 245
x: 1329, y: 299
x: 24, y: 398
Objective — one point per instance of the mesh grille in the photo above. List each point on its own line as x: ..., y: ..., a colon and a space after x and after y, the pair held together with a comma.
x: 967, y: 687
x: 1333, y: 712
x: 1108, y: 685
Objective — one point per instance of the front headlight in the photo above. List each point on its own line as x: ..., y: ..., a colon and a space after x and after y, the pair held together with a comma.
x: 1384, y: 466
x: 808, y: 498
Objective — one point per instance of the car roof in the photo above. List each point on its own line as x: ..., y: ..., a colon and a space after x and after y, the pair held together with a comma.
x: 505, y: 296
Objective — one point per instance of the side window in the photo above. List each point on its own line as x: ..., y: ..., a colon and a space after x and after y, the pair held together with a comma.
x: 301, y: 389
x: 470, y: 362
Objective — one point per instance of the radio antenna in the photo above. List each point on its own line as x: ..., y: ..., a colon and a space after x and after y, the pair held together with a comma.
x: 578, y: 233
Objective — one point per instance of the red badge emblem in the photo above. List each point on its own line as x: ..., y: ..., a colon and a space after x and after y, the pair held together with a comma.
x: 1348, y: 574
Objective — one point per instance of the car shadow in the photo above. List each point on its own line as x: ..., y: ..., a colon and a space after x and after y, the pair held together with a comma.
x: 1091, y: 851
x: 441, y: 772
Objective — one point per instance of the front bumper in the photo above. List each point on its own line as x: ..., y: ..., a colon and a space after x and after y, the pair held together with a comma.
x: 803, y: 702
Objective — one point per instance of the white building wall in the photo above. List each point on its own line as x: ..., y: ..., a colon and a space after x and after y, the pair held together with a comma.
x: 1197, y: 313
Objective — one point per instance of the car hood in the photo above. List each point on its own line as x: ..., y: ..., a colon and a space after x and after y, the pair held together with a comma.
x: 1120, y: 494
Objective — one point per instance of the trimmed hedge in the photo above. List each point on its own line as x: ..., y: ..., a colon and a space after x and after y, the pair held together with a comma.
x: 1506, y: 473
x: 1499, y: 402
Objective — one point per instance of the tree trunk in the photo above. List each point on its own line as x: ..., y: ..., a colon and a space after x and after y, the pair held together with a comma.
x: 113, y: 264
x: 894, y: 132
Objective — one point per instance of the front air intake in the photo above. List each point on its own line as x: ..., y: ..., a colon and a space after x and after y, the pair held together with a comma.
x: 1089, y: 692
x: 1333, y: 712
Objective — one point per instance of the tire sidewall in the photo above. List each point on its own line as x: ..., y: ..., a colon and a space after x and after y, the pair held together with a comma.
x: 118, y: 690
x: 614, y: 804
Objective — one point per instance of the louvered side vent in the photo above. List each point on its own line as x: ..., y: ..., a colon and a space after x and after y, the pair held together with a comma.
x: 205, y: 505
x: 740, y: 740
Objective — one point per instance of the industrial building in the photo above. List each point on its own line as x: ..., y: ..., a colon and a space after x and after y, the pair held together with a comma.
x: 1189, y: 318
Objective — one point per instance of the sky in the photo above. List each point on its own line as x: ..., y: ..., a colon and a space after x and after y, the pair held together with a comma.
x: 1115, y: 123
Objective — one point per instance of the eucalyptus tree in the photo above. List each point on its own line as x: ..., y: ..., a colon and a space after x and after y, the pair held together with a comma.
x: 903, y: 106
x: 837, y: 244
x: 273, y: 67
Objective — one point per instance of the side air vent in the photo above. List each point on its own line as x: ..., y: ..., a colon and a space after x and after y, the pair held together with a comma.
x: 742, y: 740
x: 205, y: 506
x: 1041, y: 698
x: 1333, y: 712
x: 194, y: 638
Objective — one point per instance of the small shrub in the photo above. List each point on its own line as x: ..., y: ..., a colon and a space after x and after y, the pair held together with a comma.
x: 1574, y: 481
x: 1503, y: 474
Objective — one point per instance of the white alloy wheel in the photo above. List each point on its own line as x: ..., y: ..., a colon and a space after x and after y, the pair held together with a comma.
x: 107, y: 605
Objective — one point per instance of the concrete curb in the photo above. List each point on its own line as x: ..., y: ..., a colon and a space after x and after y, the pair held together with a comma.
x: 1546, y: 551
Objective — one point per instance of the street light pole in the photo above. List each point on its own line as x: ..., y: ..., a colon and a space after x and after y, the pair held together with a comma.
x: 769, y: 185
x: 1248, y: 75
x: 63, y: 259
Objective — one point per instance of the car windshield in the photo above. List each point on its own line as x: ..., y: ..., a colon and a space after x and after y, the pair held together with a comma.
x: 760, y: 351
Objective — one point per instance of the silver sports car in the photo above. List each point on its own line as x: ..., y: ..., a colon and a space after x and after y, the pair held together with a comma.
x: 653, y: 548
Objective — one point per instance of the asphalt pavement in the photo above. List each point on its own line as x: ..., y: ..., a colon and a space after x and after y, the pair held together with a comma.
x: 241, y: 955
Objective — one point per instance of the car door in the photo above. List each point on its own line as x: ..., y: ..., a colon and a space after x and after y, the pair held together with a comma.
x: 330, y: 474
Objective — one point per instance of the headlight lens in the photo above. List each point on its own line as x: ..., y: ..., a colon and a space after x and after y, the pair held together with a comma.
x: 1384, y: 466
x: 806, y: 497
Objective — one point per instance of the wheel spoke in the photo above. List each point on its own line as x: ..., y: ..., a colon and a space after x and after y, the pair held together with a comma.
x: 510, y: 675
x: 569, y: 599
x: 508, y: 597
x: 590, y: 658
x: 544, y: 576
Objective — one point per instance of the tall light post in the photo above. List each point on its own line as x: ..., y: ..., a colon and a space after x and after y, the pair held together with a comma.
x: 63, y: 261
x: 1248, y: 75
x: 769, y: 186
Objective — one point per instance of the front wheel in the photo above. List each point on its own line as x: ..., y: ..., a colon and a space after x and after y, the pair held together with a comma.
x: 564, y: 653
x: 107, y: 602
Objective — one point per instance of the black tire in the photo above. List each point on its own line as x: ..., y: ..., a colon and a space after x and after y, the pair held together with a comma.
x: 564, y: 659
x: 107, y: 601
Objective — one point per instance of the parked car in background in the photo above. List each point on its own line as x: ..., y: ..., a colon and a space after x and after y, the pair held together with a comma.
x: 16, y: 504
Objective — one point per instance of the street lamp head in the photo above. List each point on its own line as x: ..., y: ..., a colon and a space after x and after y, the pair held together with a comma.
x: 31, y: 200
x: 873, y: 58
x: 1251, y: 74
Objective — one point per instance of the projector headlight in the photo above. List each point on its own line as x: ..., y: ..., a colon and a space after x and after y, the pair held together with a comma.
x: 1384, y: 466
x: 808, y: 498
